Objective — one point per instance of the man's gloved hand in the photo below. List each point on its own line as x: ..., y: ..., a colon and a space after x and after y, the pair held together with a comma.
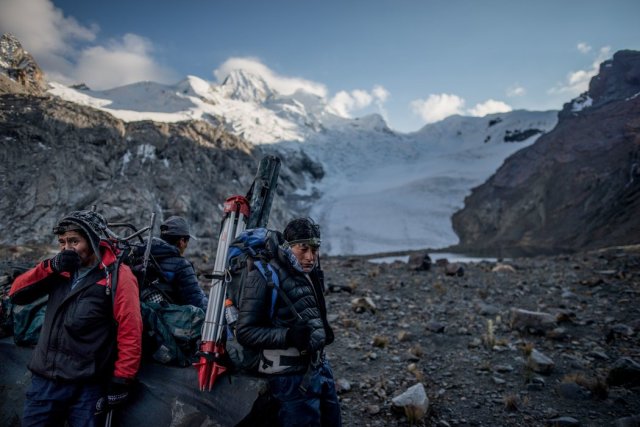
x: 298, y: 336
x: 117, y: 394
x: 66, y: 260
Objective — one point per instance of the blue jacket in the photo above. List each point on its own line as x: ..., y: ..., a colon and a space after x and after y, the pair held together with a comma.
x: 180, y: 281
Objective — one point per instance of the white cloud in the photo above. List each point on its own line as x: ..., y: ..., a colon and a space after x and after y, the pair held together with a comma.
x: 119, y: 63
x: 346, y: 103
x: 343, y: 103
x: 577, y: 82
x: 362, y: 98
x: 438, y: 107
x: 489, y: 107
x: 282, y: 84
x: 45, y: 32
x: 380, y: 93
x: 515, y: 90
x: 584, y: 48
x: 65, y: 49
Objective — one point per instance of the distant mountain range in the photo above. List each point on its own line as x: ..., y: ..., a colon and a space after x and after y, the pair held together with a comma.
x: 372, y: 189
x: 379, y: 190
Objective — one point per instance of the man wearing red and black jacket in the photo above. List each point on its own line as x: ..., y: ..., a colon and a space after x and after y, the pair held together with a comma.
x: 90, y: 345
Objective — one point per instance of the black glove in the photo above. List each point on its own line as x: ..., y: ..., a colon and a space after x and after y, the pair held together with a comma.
x: 298, y: 336
x: 117, y: 394
x: 66, y: 260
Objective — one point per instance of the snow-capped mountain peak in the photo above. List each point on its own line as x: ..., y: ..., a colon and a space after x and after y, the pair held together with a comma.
x: 242, y: 85
x: 194, y: 86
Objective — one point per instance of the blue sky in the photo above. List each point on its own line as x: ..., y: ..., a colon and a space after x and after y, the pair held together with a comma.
x: 414, y: 62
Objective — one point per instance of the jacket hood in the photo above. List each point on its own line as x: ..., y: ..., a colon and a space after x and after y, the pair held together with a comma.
x: 286, y: 257
x: 107, y: 253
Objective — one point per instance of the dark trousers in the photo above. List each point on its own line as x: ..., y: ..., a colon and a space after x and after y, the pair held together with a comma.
x: 317, y: 406
x: 51, y: 403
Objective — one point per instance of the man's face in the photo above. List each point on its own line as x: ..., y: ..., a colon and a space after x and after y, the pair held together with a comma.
x: 182, y: 245
x: 74, y: 241
x: 306, y: 255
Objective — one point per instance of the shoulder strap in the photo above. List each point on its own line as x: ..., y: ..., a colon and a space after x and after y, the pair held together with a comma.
x: 274, y: 283
x: 112, y: 270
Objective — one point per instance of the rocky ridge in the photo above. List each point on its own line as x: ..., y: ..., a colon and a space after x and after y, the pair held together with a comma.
x: 19, y: 72
x: 577, y: 187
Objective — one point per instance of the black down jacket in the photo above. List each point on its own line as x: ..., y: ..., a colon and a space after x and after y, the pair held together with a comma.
x: 179, y: 281
x: 256, y: 329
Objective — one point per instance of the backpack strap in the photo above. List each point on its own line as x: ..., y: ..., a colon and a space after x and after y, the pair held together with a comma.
x: 274, y: 283
x: 112, y: 273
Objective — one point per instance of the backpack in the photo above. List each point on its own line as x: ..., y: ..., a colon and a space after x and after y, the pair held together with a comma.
x: 152, y: 282
x: 8, y: 272
x: 254, y: 249
x: 256, y: 244
x: 170, y: 331
x: 28, y: 320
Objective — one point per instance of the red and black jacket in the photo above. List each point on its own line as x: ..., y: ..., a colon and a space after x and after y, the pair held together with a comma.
x: 87, y: 334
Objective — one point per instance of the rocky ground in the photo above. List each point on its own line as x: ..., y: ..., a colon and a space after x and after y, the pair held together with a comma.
x: 526, y: 341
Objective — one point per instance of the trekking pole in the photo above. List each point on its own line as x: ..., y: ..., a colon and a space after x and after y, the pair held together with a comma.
x: 107, y: 421
x: 147, y: 250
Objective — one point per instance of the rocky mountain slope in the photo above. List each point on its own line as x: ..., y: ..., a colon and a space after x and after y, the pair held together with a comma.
x: 57, y: 156
x: 578, y: 186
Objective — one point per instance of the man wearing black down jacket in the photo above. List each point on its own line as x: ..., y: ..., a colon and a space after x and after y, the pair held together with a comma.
x: 291, y: 339
x: 177, y: 278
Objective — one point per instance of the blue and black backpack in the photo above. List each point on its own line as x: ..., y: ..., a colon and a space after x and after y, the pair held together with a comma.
x: 252, y: 249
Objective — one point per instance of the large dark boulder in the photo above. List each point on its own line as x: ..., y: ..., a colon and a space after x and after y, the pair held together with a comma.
x: 165, y: 396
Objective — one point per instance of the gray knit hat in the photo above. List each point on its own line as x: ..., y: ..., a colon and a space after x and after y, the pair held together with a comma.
x: 91, y: 223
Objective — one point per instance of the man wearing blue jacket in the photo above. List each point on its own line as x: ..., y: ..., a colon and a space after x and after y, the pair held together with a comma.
x: 176, y: 279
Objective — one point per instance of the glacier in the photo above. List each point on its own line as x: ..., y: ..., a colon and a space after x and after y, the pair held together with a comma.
x: 383, y: 191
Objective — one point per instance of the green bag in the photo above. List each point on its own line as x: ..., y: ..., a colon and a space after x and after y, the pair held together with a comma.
x: 28, y: 320
x: 171, y: 332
